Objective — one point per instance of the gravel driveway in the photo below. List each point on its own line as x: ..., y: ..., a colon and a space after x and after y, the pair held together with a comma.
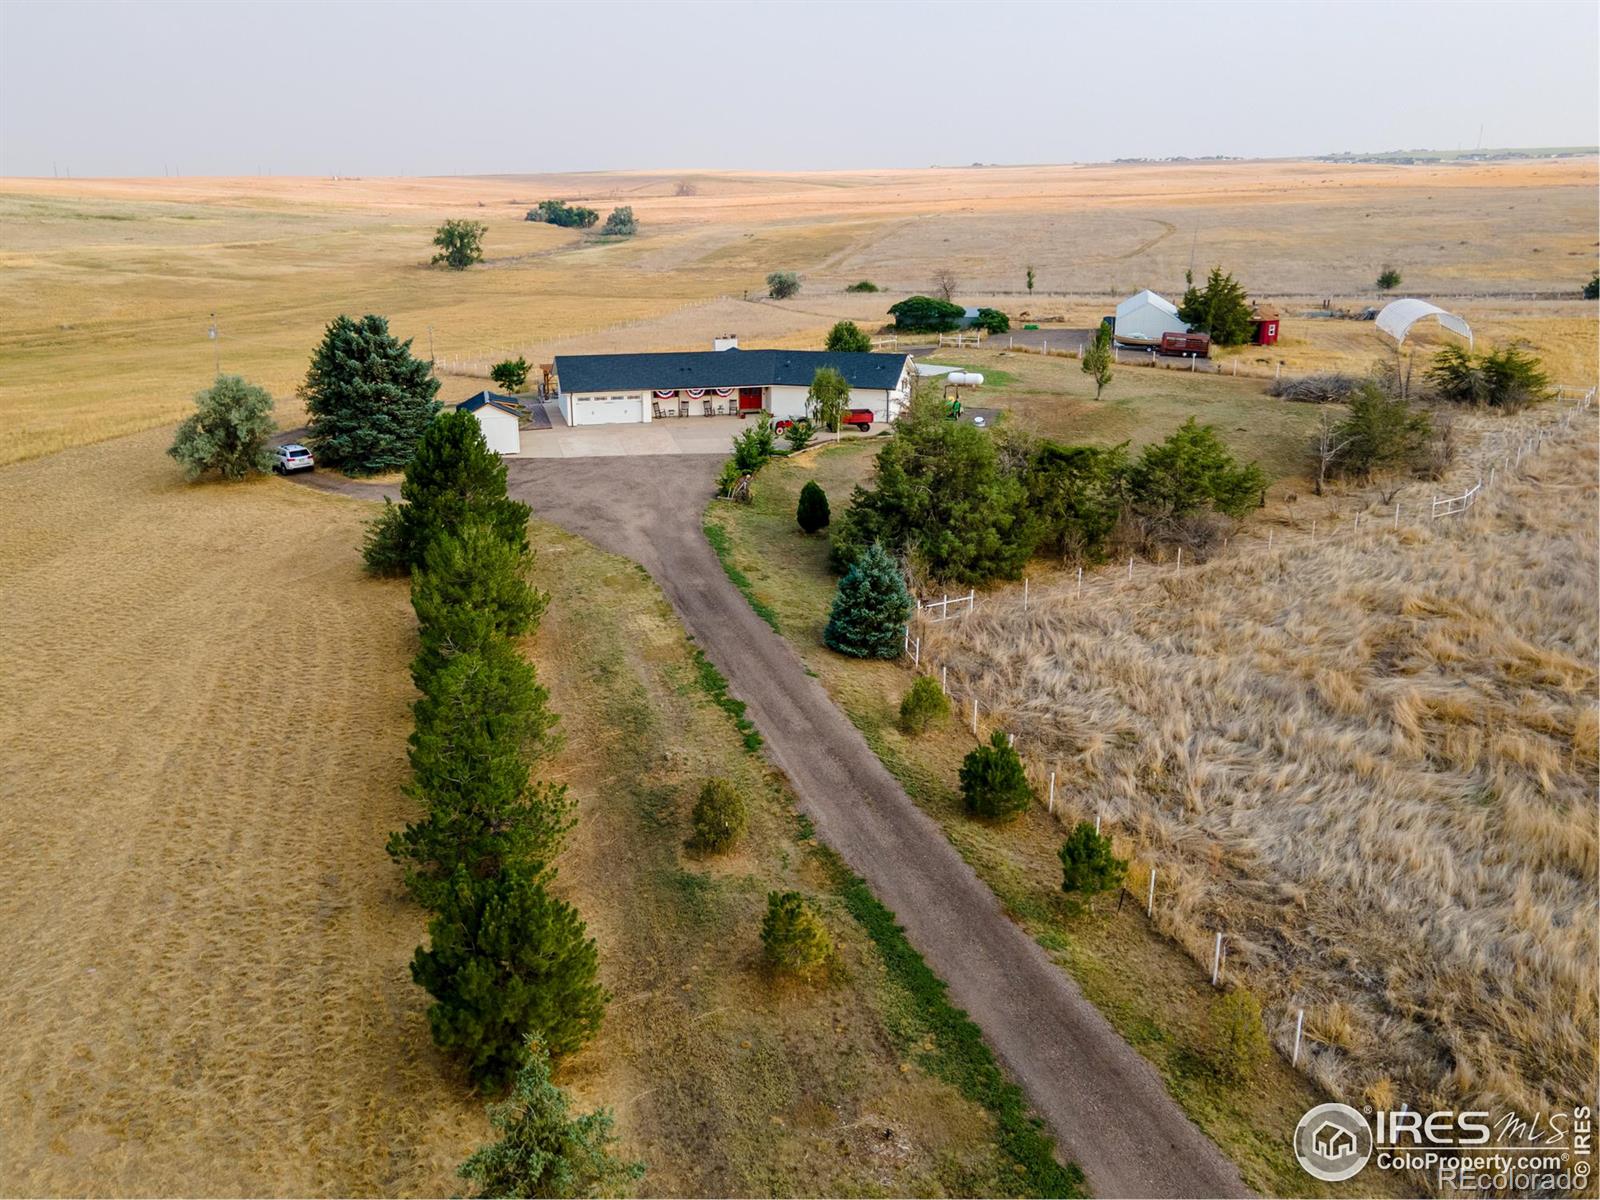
x: 1106, y: 1105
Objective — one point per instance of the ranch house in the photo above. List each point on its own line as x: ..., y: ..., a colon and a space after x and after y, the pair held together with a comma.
x: 611, y: 389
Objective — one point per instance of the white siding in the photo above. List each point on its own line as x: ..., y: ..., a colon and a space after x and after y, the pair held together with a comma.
x: 787, y: 403
x: 617, y: 408
x: 500, y: 430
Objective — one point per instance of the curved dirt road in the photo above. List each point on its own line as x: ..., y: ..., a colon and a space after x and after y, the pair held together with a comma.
x: 1105, y: 1104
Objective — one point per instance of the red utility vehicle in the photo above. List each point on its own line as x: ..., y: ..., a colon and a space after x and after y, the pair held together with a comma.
x: 859, y: 418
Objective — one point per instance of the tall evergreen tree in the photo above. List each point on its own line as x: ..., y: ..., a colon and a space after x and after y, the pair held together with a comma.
x: 870, y: 609
x: 1192, y: 471
x: 941, y: 494
x: 472, y: 588
x: 480, y: 720
x: 1221, y: 309
x: 542, y: 1149
x: 454, y: 477
x: 368, y: 399
x: 506, y: 961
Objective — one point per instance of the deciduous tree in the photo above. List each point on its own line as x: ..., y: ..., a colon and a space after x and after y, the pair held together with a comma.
x: 620, y: 223
x: 1098, y: 358
x: 783, y: 284
x: 460, y: 243
x: 229, y: 432
x: 847, y: 336
x: 512, y: 374
x: 827, y: 398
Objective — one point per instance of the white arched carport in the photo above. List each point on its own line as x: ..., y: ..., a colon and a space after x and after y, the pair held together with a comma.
x: 1399, y: 316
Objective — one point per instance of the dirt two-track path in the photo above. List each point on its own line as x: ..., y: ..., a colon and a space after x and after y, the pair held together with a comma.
x: 1106, y: 1105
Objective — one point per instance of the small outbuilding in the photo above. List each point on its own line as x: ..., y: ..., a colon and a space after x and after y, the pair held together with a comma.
x: 1144, y: 318
x: 1266, y: 320
x: 500, y: 418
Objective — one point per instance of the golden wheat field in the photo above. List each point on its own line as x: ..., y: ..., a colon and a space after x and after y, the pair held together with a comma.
x: 110, y: 286
x: 1370, y: 761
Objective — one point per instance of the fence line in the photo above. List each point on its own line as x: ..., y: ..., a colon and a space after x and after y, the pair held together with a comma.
x: 1500, y: 454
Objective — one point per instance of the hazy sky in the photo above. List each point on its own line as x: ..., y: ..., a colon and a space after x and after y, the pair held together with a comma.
x: 224, y: 88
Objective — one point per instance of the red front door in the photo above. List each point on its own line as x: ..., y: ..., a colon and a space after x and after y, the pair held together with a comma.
x: 749, y: 400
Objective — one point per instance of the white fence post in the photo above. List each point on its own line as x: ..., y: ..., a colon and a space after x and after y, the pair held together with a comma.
x: 974, y: 716
x: 1052, y: 801
x: 1299, y: 1024
x: 1179, y: 571
x: 1216, y: 960
x: 1150, y: 900
x: 944, y: 679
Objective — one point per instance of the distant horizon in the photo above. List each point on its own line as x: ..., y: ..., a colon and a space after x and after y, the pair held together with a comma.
x: 427, y: 89
x: 1530, y: 151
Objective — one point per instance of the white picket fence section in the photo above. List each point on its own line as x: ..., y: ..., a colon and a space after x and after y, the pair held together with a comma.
x: 926, y: 608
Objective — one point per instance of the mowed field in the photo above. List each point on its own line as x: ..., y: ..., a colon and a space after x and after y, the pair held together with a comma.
x: 110, y: 286
x: 207, y: 982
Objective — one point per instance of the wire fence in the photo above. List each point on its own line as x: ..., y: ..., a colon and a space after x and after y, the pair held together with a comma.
x: 1502, y: 452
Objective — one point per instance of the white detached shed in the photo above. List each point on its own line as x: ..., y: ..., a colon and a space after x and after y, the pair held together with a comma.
x: 1143, y: 317
x: 500, y: 418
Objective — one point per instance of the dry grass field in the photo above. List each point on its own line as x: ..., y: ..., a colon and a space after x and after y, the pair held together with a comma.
x: 1372, y: 763
x: 207, y: 986
x: 206, y: 716
x: 110, y: 284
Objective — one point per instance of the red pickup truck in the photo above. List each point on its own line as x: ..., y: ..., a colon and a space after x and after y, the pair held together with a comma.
x: 859, y: 418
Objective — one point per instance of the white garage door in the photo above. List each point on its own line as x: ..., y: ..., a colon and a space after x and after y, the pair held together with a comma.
x: 611, y: 410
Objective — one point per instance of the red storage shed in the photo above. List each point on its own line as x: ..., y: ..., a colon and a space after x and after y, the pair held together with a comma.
x: 1266, y: 320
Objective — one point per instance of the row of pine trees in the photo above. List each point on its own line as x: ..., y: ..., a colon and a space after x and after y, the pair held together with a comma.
x: 506, y: 962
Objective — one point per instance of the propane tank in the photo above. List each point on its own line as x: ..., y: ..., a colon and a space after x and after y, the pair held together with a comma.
x: 964, y: 379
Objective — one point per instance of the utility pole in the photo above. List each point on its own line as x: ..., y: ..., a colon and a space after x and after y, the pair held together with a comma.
x: 215, y: 335
x: 430, y: 345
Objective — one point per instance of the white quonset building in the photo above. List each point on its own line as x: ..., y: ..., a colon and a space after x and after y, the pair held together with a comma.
x: 610, y: 389
x: 500, y: 418
x: 1143, y: 317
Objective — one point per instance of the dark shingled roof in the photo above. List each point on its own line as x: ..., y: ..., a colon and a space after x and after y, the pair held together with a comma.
x: 722, y: 368
x: 506, y: 403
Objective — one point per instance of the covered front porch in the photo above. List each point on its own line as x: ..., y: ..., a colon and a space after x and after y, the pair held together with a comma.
x: 669, y: 403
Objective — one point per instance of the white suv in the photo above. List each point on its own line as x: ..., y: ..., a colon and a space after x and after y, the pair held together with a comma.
x: 293, y: 457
